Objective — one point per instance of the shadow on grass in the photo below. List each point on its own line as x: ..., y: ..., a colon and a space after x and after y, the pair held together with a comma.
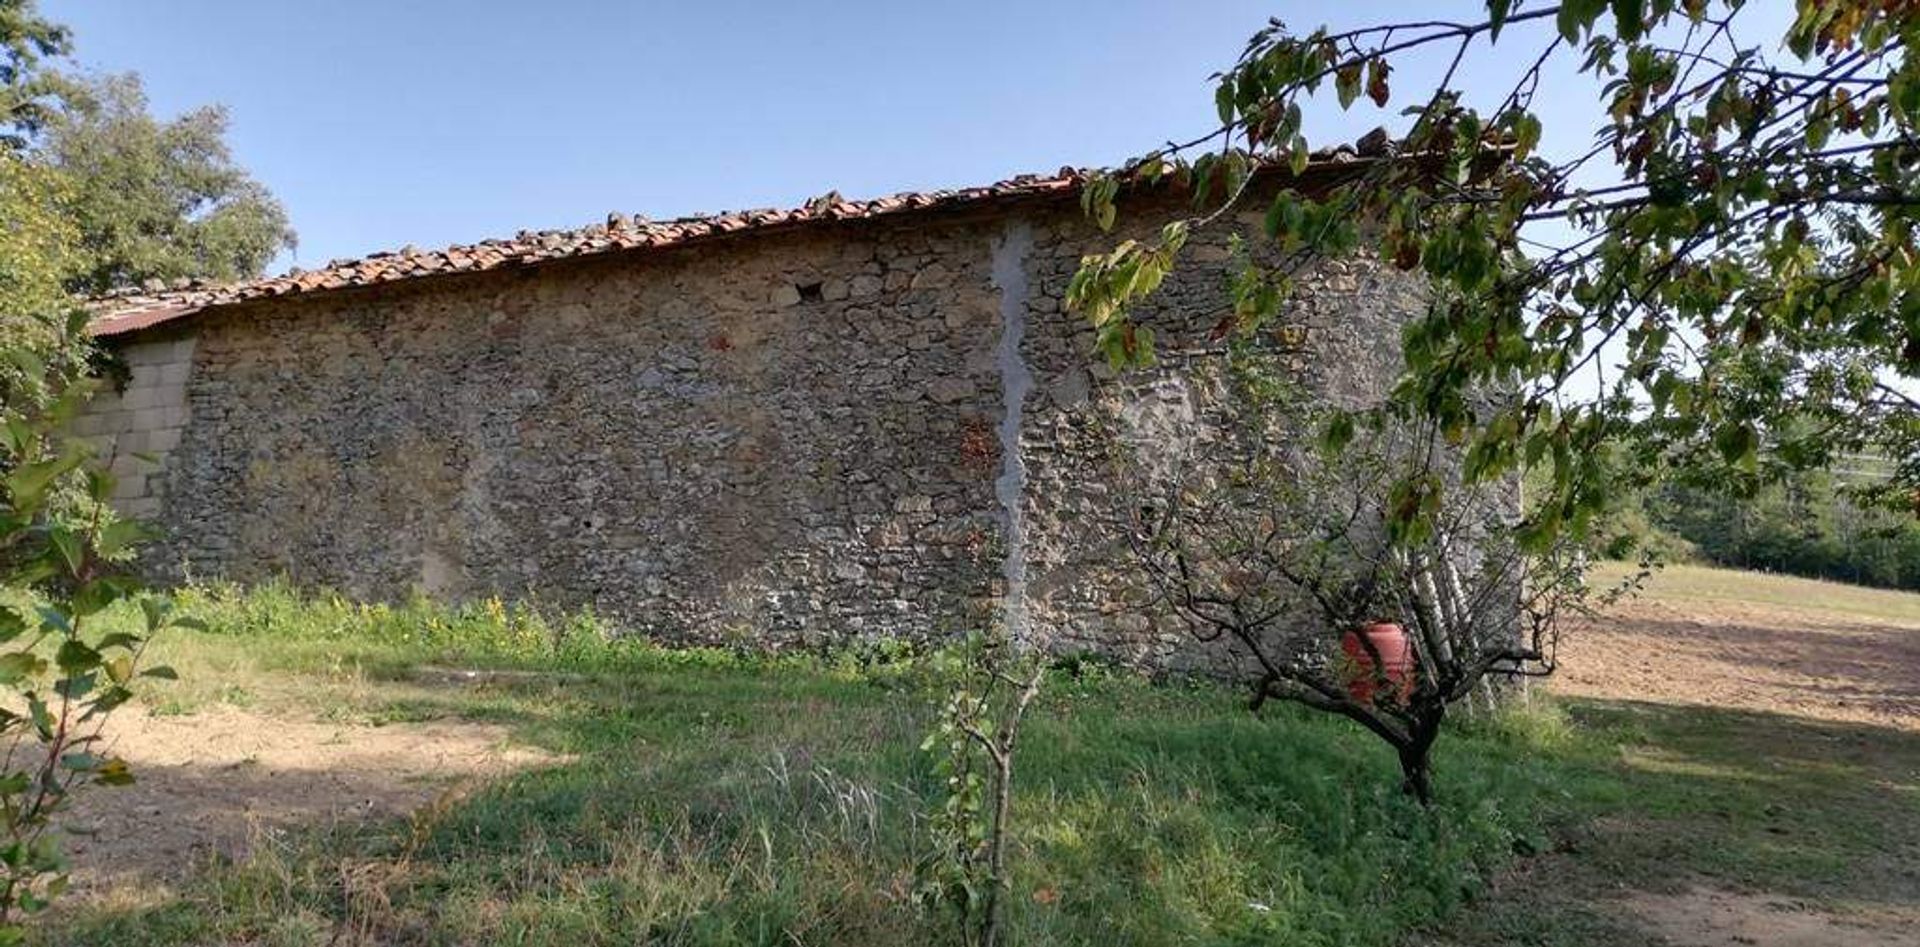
x: 1675, y: 797
x: 723, y: 806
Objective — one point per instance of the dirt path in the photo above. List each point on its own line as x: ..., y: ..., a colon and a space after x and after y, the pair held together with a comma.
x: 214, y: 782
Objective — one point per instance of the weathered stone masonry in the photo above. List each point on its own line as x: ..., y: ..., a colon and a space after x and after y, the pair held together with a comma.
x: 788, y: 436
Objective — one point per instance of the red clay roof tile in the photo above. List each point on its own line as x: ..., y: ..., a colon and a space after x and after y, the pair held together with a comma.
x: 133, y: 311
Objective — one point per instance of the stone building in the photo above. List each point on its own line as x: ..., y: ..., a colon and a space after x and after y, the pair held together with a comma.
x: 850, y: 419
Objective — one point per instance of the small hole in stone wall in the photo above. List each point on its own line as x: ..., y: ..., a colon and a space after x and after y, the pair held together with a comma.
x: 810, y: 292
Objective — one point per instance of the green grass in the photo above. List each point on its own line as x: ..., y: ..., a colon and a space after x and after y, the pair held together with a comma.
x: 1804, y: 811
x: 708, y: 797
x: 711, y: 798
x: 1681, y: 585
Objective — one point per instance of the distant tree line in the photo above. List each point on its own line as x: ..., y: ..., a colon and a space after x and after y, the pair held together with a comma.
x: 1804, y: 524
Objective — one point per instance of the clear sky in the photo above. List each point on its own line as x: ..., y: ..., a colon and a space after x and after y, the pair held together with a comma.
x: 386, y: 122
x: 382, y: 123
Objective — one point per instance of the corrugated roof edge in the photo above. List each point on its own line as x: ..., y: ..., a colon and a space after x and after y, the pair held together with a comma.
x: 131, y: 311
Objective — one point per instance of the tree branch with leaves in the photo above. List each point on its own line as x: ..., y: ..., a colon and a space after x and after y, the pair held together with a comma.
x: 1721, y: 275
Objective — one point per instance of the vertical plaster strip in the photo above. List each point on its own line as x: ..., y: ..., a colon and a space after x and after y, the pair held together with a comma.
x: 1016, y: 380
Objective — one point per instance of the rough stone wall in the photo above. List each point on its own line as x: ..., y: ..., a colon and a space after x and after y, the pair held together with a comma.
x: 787, y: 437
x: 136, y: 427
x: 1337, y: 339
x: 779, y: 437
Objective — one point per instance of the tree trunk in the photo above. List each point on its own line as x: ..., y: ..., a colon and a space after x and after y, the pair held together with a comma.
x: 997, y: 880
x: 1416, y: 768
x: 1416, y: 755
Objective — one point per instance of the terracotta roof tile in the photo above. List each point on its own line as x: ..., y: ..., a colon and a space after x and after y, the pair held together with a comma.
x: 132, y: 311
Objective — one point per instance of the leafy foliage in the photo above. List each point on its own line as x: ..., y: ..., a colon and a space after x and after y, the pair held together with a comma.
x: 94, y: 193
x: 1724, y: 271
x: 64, y: 676
x: 974, y: 743
x: 27, y: 94
x: 37, y: 255
x: 1807, y: 525
x: 158, y: 200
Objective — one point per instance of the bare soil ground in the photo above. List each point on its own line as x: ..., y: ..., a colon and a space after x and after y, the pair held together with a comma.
x: 1804, y: 655
x: 214, y: 782
x: 1803, y: 662
x: 1708, y: 917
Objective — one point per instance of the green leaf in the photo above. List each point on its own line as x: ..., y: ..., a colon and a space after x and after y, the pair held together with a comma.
x: 1346, y: 84
x: 20, y: 437
x: 155, y: 609
x: 1497, y: 11
x: 118, y: 639
x: 1577, y: 16
x: 17, y: 666
x: 81, y: 762
x: 75, y: 657
x: 12, y: 625
x: 105, y: 703
x: 72, y: 554
x: 42, y: 717
x: 29, y: 482
x: 114, y: 772
x: 100, y: 484
x: 120, y: 535
x: 161, y: 672
x: 1735, y: 441
x: 77, y: 686
x: 1629, y: 18
x: 53, y: 619
x: 97, y: 594
x: 1526, y: 135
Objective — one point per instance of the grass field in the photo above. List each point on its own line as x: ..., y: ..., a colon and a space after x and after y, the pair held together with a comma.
x: 707, y: 798
x: 1685, y: 585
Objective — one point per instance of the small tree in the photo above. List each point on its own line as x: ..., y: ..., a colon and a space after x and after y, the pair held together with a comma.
x: 1284, y: 550
x: 63, y: 552
x: 974, y: 742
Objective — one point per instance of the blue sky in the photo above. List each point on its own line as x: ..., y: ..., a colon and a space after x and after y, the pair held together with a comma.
x: 387, y: 122
x: 382, y: 123
x: 431, y: 121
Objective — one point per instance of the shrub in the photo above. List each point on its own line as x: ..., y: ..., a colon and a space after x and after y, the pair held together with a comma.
x: 64, y: 557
